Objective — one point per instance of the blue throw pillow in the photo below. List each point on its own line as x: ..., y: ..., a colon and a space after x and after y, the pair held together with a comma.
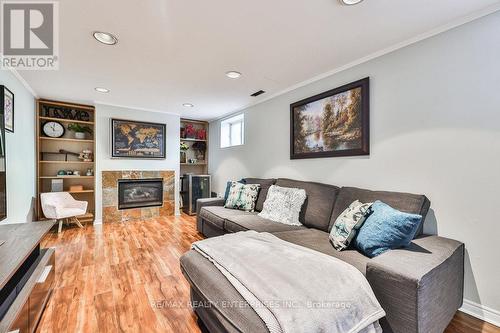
x: 228, y: 187
x: 386, y: 228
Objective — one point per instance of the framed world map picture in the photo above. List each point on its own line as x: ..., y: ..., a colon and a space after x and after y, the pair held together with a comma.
x: 137, y: 139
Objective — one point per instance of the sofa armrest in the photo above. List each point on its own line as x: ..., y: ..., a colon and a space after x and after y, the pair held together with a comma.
x: 200, y: 203
x: 419, y: 287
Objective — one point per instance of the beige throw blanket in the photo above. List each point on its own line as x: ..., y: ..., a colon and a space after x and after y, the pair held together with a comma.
x: 293, y: 288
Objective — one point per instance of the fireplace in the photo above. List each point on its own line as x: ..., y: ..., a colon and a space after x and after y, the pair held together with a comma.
x: 137, y: 193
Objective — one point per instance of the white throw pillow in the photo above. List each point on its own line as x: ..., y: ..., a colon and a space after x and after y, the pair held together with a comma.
x: 346, y: 226
x: 283, y: 205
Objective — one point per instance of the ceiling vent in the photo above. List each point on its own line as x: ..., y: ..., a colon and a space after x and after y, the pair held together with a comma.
x: 257, y: 93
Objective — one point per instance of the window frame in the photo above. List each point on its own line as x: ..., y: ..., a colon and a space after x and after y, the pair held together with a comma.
x: 238, y: 119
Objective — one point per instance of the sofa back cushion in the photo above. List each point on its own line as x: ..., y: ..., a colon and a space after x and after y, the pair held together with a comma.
x: 265, y: 184
x: 319, y: 203
x: 405, y: 202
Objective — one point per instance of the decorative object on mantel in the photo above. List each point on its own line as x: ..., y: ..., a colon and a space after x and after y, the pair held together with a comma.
x: 184, y: 148
x: 200, y: 148
x: 137, y: 139
x: 201, y: 134
x: 76, y: 188
x: 79, y: 130
x: 65, y: 112
x: 86, y: 155
x: 190, y: 131
x: 192, y: 161
x: 53, y: 129
x: 56, y: 185
x: 334, y: 123
x: 7, y: 105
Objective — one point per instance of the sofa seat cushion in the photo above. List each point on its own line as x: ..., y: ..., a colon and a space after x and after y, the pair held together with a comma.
x: 216, y: 215
x: 405, y: 202
x: 319, y: 240
x: 318, y: 206
x: 238, y: 223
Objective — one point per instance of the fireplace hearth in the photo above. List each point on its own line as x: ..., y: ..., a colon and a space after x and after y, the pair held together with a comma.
x: 138, y: 193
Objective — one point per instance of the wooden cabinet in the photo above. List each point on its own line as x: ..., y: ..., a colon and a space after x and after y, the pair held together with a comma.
x: 27, y: 272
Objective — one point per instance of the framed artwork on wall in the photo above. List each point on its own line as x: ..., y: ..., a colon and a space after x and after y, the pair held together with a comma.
x: 137, y: 139
x: 334, y: 123
x: 7, y: 105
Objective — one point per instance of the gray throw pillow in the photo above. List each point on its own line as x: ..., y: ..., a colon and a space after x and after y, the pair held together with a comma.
x: 348, y: 223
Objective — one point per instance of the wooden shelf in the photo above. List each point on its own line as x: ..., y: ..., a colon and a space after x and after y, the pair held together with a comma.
x: 62, y: 120
x: 192, y: 140
x: 47, y: 169
x: 193, y: 163
x: 66, y: 162
x: 66, y: 139
x: 66, y: 177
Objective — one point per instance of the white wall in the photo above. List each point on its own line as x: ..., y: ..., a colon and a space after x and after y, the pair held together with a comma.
x: 104, y: 162
x: 20, y: 152
x: 435, y: 129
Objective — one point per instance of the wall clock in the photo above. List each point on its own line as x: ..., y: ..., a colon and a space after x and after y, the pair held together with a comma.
x: 53, y: 129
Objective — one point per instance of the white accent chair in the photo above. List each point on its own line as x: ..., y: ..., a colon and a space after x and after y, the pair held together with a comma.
x: 62, y: 206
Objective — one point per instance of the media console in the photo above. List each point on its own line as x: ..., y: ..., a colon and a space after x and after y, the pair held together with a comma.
x: 26, y: 275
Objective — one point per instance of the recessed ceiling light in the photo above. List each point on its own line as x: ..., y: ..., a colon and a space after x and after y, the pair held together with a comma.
x: 233, y: 74
x: 105, y: 37
x: 350, y: 2
x: 102, y: 90
x: 188, y: 105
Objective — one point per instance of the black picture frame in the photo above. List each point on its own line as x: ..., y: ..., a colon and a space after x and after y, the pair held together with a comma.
x: 364, y: 148
x: 117, y: 140
x: 9, y: 127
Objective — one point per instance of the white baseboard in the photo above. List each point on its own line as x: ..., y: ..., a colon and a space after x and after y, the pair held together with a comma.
x: 481, y: 312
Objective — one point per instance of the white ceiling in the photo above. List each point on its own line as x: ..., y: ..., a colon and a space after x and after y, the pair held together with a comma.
x: 172, y: 52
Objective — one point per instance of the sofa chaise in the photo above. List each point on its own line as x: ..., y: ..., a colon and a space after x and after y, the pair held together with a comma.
x: 419, y: 287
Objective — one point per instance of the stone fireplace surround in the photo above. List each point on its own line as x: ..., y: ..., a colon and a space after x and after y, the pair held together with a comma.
x: 110, y: 211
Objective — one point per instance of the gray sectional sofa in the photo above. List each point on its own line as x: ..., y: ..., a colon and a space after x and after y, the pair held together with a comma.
x: 419, y: 287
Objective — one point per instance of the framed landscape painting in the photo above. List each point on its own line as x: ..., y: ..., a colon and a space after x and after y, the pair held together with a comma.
x: 334, y: 123
x: 137, y: 139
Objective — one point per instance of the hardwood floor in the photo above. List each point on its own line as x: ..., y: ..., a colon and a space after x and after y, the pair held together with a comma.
x: 126, y: 278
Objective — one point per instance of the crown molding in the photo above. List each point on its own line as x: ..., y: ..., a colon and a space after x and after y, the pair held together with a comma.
x: 431, y: 33
x: 136, y: 108
x: 23, y: 82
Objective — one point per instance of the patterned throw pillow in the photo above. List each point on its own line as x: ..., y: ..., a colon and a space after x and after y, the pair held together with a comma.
x: 283, y: 205
x: 242, y: 197
x: 348, y: 223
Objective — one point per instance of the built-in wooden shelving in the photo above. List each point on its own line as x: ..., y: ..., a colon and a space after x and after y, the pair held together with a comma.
x: 49, y: 161
x: 200, y: 166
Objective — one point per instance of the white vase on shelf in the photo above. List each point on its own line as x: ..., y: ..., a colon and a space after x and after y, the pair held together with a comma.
x: 80, y: 135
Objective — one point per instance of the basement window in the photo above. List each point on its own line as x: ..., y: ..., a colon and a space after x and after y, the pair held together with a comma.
x: 232, y: 131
